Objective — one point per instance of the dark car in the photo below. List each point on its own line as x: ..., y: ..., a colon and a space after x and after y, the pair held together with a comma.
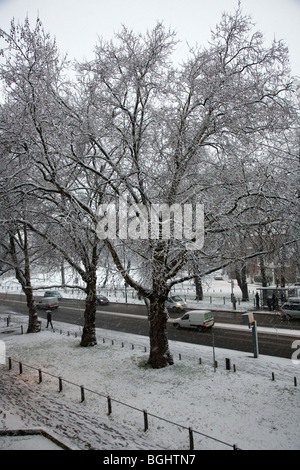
x: 102, y: 300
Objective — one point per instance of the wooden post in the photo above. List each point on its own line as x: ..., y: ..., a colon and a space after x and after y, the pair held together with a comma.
x: 60, y: 387
x: 9, y: 363
x: 40, y: 376
x: 82, y: 393
x: 146, y: 424
x: 109, y: 405
x: 295, y: 381
x: 191, y: 437
x: 20, y: 368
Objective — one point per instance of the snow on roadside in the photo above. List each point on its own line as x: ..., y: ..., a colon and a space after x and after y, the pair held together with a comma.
x: 244, y: 408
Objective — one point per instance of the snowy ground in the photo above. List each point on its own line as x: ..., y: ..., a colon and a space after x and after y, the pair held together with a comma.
x: 245, y: 408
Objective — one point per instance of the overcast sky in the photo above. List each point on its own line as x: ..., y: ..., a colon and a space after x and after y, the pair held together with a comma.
x: 76, y: 24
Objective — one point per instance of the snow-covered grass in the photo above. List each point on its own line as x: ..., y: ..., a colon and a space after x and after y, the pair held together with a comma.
x: 245, y: 408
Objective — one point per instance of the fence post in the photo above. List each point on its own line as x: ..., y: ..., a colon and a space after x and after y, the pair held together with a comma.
x: 9, y: 363
x: 145, y: 420
x: 109, y: 405
x: 40, y: 376
x: 191, y: 437
x: 20, y: 368
x: 60, y: 387
x: 82, y: 393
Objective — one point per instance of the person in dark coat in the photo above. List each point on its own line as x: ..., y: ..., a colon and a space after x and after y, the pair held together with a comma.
x: 257, y: 300
x: 49, y: 319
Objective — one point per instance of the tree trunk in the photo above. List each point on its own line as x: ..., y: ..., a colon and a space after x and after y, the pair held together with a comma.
x: 24, y: 278
x: 199, y: 289
x: 33, y: 321
x: 241, y: 277
x: 89, y: 330
x: 264, y: 281
x: 160, y: 355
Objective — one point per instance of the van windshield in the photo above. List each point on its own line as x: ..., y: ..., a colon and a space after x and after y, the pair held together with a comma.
x: 208, y: 316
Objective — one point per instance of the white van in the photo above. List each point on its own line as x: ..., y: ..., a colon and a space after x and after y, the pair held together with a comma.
x: 200, y: 320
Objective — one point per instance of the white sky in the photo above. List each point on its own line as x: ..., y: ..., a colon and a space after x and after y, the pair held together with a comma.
x: 76, y: 24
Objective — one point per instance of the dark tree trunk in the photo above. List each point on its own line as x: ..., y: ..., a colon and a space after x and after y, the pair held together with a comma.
x: 33, y: 321
x: 24, y: 278
x: 160, y: 355
x: 241, y: 276
x: 89, y: 330
x: 264, y: 280
x: 199, y: 289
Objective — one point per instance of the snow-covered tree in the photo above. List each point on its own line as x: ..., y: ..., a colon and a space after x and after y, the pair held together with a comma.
x: 178, y: 136
x: 35, y: 133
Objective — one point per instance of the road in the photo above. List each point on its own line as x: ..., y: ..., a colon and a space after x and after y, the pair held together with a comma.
x: 133, y: 319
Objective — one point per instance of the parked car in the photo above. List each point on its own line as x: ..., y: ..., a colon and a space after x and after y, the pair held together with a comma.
x: 48, y: 303
x: 53, y: 293
x: 175, y: 303
x: 196, y: 319
x: 102, y: 300
x: 291, y: 309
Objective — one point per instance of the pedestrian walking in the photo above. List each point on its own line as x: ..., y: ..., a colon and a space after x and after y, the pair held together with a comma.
x: 49, y: 319
x: 257, y: 300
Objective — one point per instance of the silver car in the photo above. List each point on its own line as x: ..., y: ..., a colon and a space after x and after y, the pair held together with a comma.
x: 291, y: 309
x: 176, y: 304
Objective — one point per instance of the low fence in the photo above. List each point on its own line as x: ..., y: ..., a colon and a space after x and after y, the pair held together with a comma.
x: 145, y: 415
